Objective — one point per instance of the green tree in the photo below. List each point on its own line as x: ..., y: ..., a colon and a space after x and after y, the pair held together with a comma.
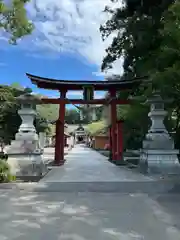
x: 16, y: 85
x: 136, y: 124
x: 48, y: 111
x: 13, y: 19
x: 136, y: 27
x: 41, y: 124
x: 147, y: 36
x: 8, y: 115
x: 72, y: 116
x: 9, y: 118
x: 166, y: 73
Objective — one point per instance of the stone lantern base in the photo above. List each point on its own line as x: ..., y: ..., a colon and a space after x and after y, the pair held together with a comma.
x: 27, y: 165
x: 159, y: 161
x: 24, y: 156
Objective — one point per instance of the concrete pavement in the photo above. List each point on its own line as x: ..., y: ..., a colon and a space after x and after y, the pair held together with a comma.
x: 33, y: 213
x: 84, y: 216
x: 86, y: 165
x: 88, y: 170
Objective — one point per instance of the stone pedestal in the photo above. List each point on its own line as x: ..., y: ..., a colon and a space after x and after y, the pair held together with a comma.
x: 158, y: 154
x: 24, y: 154
x: 27, y: 165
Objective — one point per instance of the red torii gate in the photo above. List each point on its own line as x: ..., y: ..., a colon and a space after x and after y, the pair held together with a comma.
x: 116, y: 137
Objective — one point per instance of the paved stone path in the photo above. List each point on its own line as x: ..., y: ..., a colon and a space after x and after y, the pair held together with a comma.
x: 88, y: 215
x: 86, y: 165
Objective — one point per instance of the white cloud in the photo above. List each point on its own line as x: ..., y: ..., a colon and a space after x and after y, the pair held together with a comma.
x: 116, y: 69
x: 71, y: 26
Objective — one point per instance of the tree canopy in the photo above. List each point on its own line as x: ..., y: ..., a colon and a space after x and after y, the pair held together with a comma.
x: 13, y: 19
x: 137, y: 27
x: 147, y: 37
x: 9, y: 118
x: 47, y: 113
x: 97, y: 127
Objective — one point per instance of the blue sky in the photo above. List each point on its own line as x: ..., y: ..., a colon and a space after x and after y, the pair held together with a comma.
x: 17, y: 62
x: 66, y: 44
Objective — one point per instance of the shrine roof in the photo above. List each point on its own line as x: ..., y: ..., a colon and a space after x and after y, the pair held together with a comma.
x: 55, y: 84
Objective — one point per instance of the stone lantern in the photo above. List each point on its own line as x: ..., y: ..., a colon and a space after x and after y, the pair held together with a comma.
x: 158, y: 154
x: 24, y: 154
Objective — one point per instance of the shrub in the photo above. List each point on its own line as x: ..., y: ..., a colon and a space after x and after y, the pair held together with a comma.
x: 5, y: 175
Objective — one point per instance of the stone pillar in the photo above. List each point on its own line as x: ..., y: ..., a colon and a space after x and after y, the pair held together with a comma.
x: 158, y: 154
x: 24, y: 153
x: 42, y: 140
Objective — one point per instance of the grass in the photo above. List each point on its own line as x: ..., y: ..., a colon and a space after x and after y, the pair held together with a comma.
x: 96, y: 127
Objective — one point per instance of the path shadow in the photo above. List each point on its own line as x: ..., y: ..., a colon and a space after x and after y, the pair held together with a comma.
x: 170, y: 203
x: 79, y: 216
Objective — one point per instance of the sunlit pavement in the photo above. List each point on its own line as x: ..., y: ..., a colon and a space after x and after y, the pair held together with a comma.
x: 88, y: 214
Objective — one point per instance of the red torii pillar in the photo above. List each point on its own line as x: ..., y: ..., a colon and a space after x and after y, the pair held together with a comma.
x: 59, y: 145
x: 113, y: 124
x: 116, y: 132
